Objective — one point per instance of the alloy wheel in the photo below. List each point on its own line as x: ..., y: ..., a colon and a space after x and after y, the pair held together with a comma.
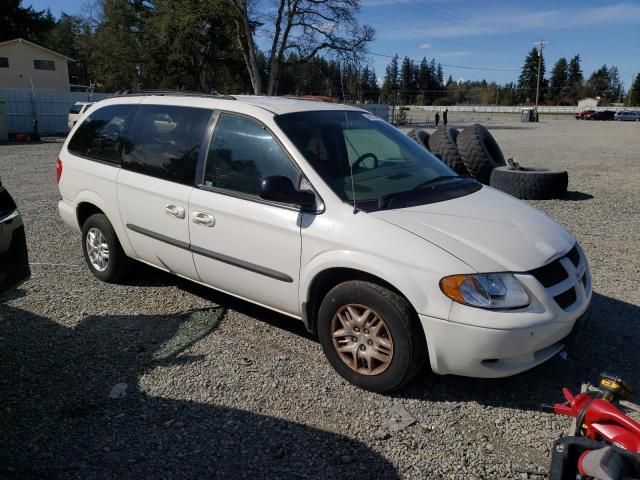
x: 362, y: 339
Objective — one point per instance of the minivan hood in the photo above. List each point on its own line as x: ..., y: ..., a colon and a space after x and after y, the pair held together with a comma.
x: 488, y: 230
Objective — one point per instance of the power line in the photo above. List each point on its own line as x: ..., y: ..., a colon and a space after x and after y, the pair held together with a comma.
x: 465, y: 67
x: 446, y: 40
x: 454, y: 66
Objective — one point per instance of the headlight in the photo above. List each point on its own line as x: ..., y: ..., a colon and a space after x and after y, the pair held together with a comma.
x: 487, y: 290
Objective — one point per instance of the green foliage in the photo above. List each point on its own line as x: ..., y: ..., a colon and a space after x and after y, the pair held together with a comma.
x: 17, y: 21
x: 634, y: 92
x: 605, y: 83
x: 527, y: 82
x: 72, y: 36
x: 390, y: 83
x: 443, y: 101
x: 561, y: 91
x: 193, y: 45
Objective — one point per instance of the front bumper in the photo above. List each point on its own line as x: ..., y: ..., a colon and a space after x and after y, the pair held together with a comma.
x: 473, y: 351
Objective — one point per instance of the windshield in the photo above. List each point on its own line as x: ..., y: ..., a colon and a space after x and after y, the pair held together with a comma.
x: 357, y: 153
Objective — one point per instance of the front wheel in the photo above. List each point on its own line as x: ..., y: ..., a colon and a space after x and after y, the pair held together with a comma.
x: 102, y: 250
x: 371, y: 336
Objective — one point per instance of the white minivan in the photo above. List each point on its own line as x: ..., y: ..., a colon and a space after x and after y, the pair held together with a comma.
x: 329, y: 215
x: 76, y: 111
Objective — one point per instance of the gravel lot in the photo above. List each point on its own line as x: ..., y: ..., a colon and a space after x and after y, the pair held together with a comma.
x: 218, y: 388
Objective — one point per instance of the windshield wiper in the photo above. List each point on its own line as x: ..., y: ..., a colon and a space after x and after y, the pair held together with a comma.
x: 437, y: 179
x: 387, y: 200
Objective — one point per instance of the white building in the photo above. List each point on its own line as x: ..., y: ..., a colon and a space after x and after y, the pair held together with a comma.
x: 589, y: 102
x: 26, y: 65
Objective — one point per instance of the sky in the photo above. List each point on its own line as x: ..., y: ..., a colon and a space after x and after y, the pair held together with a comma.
x: 490, y: 37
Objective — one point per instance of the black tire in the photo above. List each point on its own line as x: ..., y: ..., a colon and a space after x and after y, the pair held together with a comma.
x: 443, y: 142
x: 409, y: 344
x: 480, y: 152
x: 421, y: 137
x: 118, y: 263
x: 531, y: 183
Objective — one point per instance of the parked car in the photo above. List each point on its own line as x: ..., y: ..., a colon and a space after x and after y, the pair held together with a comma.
x: 14, y: 261
x: 627, y: 116
x: 602, y: 115
x: 329, y: 215
x: 582, y: 115
x: 76, y: 111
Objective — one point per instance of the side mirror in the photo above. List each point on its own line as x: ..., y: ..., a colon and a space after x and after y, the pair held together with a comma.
x: 278, y: 188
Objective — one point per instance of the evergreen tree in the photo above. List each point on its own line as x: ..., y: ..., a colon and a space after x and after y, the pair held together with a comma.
x: 599, y: 82
x: 634, y: 92
x: 120, y: 54
x: 390, y: 84
x: 72, y: 36
x: 575, y: 78
x: 19, y: 22
x: 575, y: 72
x: 440, y: 75
x: 559, y: 81
x: 528, y: 79
x: 406, y: 81
x: 615, y: 86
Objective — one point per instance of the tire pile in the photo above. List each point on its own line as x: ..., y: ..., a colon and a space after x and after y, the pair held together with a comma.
x: 474, y: 152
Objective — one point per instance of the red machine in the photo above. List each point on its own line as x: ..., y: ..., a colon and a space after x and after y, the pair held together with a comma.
x: 605, y: 441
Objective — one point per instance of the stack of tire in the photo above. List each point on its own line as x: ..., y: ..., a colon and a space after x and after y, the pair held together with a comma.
x: 474, y: 152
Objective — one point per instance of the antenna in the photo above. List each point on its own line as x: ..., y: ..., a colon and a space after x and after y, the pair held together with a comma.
x: 346, y: 118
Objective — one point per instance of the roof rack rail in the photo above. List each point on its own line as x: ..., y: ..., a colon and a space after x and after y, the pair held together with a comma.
x: 186, y: 93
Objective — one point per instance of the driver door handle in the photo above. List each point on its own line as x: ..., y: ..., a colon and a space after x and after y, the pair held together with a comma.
x: 202, y: 218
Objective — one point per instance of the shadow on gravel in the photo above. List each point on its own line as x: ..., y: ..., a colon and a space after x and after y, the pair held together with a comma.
x: 609, y: 343
x: 58, y: 420
x: 146, y: 276
x: 577, y: 196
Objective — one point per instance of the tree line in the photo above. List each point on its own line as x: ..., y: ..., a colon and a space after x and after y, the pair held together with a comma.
x: 230, y: 46
x: 308, y: 47
x: 423, y: 84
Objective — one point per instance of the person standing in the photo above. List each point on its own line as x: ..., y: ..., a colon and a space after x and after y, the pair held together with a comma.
x: 437, y: 118
x: 444, y: 116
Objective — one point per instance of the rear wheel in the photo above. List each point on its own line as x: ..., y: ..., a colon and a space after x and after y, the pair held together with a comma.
x: 102, y: 251
x: 371, y: 336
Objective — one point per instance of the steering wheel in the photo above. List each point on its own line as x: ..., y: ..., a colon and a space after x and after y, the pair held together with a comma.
x: 362, y: 158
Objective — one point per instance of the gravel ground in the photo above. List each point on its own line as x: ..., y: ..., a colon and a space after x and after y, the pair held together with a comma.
x: 219, y: 388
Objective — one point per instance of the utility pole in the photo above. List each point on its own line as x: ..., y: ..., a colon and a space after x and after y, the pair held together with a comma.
x: 541, y: 45
x: 633, y: 78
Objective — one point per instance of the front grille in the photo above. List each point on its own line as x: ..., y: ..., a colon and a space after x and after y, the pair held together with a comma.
x: 566, y: 299
x: 574, y: 256
x: 550, y: 274
x: 555, y: 273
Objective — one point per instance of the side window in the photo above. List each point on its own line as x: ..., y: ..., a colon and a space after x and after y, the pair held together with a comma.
x: 164, y: 142
x: 242, y: 153
x: 100, y: 135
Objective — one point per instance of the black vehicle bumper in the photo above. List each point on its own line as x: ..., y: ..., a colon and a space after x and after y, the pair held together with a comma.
x: 14, y: 259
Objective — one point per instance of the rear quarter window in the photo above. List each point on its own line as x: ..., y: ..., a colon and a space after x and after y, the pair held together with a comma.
x: 164, y: 142
x: 100, y: 135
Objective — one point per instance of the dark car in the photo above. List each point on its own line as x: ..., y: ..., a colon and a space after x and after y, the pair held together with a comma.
x: 604, y: 115
x: 14, y: 262
x: 584, y: 114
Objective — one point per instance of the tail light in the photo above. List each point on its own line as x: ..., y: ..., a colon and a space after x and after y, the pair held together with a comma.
x: 58, y: 170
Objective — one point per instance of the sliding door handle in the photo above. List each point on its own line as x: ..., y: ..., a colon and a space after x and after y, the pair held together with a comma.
x: 174, y: 211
